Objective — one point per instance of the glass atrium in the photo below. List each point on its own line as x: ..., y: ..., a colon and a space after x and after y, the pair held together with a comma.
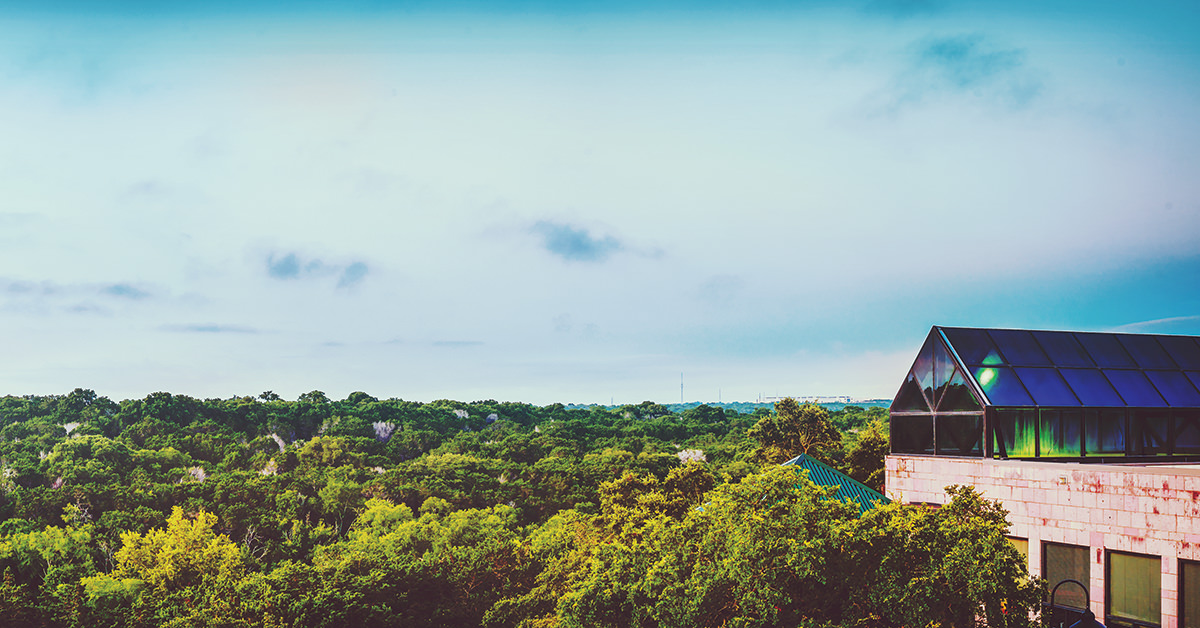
x: 1079, y: 396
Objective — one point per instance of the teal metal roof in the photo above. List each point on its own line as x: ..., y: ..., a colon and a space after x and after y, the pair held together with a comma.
x: 848, y: 489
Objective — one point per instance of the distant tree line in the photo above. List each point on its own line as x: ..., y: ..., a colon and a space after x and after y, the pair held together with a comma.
x: 257, y: 511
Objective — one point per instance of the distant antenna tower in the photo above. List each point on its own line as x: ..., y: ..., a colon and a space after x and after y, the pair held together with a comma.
x: 681, y: 388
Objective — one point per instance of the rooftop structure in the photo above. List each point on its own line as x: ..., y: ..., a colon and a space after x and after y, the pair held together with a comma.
x: 1090, y: 441
x: 848, y: 489
x: 1091, y: 397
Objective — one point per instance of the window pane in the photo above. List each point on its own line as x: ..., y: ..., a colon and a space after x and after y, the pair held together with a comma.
x: 1047, y: 387
x: 1189, y: 594
x: 912, y: 434
x: 943, y: 369
x: 1195, y: 377
x: 1175, y: 388
x: 1018, y: 347
x: 1105, y: 430
x: 1001, y: 386
x: 1062, y: 348
x: 1147, y: 352
x: 1066, y: 562
x: 1135, y: 388
x: 958, y: 397
x: 909, y: 399
x: 1148, y: 430
x: 973, y: 346
x: 1022, y: 546
x: 1058, y: 433
x: 1185, y: 351
x: 1187, y: 436
x: 923, y: 369
x: 1092, y: 388
x: 959, y: 435
x: 1014, y: 434
x: 1134, y: 587
x: 1105, y: 350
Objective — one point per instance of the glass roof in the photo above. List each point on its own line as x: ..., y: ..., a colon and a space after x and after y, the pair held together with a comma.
x: 1017, y: 367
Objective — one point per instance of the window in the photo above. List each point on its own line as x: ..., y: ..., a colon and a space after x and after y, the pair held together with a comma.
x: 1066, y: 562
x: 1022, y: 546
x: 1189, y: 594
x: 1134, y: 585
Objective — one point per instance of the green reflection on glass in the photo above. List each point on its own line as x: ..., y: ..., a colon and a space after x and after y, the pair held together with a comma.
x: 1017, y: 432
x: 992, y: 358
x: 986, y: 378
x: 1059, y: 433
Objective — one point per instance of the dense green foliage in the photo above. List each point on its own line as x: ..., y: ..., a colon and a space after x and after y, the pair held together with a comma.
x: 174, y: 511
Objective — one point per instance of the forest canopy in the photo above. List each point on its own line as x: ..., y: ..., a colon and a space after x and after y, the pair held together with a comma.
x: 257, y: 511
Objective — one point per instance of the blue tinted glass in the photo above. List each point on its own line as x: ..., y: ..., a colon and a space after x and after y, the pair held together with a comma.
x: 1195, y: 377
x: 923, y: 369
x: 1018, y: 347
x: 1185, y: 351
x: 1047, y: 388
x: 1015, y: 434
x: 1187, y: 432
x: 1135, y: 388
x: 1176, y: 388
x: 1105, y: 350
x: 1148, y: 433
x: 1092, y: 388
x: 1062, y: 348
x: 1001, y: 386
x: 973, y: 346
x: 1105, y: 431
x: 912, y: 434
x: 909, y: 399
x: 960, y: 435
x: 1147, y: 352
x: 943, y: 369
x: 1058, y: 433
x: 958, y: 397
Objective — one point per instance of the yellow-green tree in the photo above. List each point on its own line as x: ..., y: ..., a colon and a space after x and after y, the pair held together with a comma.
x: 180, y: 575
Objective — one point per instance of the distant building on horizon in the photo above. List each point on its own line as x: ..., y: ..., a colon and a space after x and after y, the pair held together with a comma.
x: 1091, y: 441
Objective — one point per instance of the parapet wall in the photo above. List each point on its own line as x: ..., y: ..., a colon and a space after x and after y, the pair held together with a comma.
x: 1143, y: 509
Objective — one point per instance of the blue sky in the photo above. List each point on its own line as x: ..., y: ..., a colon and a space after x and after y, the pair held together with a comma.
x: 544, y: 201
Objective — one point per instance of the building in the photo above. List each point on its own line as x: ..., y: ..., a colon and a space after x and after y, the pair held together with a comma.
x: 1091, y: 441
x: 845, y: 488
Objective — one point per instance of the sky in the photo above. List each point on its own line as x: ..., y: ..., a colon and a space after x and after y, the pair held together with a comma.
x: 581, y: 202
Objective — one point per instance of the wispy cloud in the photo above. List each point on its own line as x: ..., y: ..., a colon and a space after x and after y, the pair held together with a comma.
x: 125, y: 291
x: 1160, y: 324
x: 286, y: 267
x: 457, y: 343
x: 903, y: 8
x: 575, y: 244
x: 209, y: 328
x: 353, y: 274
x: 964, y: 62
x: 292, y: 266
x: 962, y: 66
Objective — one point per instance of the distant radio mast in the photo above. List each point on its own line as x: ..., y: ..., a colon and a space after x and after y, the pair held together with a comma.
x: 681, y: 388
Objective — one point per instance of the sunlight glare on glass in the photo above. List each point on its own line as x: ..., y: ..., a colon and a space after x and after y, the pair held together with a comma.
x: 986, y: 377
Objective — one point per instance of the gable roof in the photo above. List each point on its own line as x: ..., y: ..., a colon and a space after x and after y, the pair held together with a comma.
x: 848, y: 489
x: 962, y: 369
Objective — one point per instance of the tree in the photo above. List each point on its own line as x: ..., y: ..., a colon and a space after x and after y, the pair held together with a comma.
x: 864, y: 461
x: 795, y: 429
x: 181, y: 575
x: 774, y: 551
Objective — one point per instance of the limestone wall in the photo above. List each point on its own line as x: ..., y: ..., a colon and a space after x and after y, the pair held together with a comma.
x: 1143, y: 509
